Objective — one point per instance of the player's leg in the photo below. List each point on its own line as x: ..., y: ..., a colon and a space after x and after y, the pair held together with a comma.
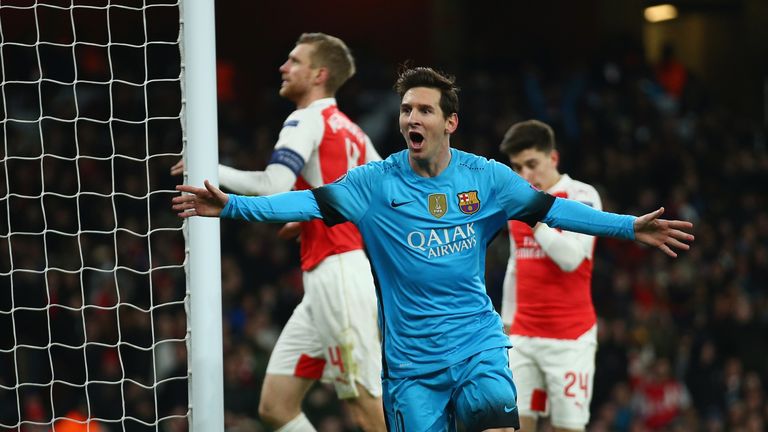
x: 569, y: 368
x: 344, y: 313
x: 529, y: 379
x: 485, y: 396
x: 296, y: 362
x: 367, y: 410
x: 419, y: 403
x: 280, y: 404
x: 529, y: 423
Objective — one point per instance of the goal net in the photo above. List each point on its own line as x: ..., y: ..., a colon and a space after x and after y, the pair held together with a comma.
x: 93, y: 322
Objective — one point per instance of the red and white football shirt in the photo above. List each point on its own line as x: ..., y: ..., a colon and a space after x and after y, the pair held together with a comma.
x: 547, y: 289
x: 329, y: 144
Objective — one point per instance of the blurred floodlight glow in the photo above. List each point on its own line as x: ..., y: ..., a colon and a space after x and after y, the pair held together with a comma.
x: 662, y: 12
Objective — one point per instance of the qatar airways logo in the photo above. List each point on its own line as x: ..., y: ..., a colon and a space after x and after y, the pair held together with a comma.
x: 444, y: 241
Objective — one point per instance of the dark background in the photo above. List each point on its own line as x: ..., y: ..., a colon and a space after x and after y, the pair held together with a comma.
x: 725, y: 42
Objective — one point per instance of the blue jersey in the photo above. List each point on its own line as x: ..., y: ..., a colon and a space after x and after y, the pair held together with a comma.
x: 427, y: 238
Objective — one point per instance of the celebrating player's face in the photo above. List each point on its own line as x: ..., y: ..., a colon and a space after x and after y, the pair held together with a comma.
x: 297, y: 73
x: 423, y: 124
x: 539, y: 168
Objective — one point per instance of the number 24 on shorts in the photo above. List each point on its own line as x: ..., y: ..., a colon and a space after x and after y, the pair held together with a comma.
x: 574, y: 382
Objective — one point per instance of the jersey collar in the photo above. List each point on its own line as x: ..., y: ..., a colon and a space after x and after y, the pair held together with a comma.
x: 323, y: 103
x: 561, y: 184
x: 447, y: 172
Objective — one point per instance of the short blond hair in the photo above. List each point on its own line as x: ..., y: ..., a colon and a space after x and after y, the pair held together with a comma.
x: 332, y: 53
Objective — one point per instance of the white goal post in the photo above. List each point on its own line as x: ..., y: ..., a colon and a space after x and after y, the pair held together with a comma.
x: 204, y: 269
x: 110, y: 307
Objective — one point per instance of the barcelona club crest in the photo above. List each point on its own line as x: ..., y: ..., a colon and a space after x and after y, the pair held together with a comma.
x: 469, y: 203
x: 437, y: 204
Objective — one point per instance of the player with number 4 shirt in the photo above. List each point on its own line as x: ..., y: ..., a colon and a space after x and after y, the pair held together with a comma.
x: 332, y: 334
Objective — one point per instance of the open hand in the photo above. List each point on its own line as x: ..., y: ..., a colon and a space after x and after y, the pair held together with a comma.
x: 663, y: 234
x: 208, y: 201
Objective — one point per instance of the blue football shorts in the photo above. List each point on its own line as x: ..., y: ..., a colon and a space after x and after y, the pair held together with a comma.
x: 478, y: 392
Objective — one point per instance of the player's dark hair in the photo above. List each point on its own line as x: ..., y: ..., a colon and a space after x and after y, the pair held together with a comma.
x: 332, y: 53
x: 528, y: 134
x: 411, y: 77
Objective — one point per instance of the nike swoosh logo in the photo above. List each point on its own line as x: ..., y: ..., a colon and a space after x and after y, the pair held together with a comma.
x: 509, y: 410
x: 398, y: 204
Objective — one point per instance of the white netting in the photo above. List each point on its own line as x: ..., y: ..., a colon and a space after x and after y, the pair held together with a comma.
x: 92, y: 286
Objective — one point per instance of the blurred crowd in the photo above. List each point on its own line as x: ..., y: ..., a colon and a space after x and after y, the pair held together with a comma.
x: 682, y: 343
x: 92, y: 280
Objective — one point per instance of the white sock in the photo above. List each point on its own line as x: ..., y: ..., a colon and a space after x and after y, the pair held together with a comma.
x: 298, y: 424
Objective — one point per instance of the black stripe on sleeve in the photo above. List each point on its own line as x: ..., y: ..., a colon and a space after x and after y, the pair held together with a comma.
x: 331, y: 216
x: 289, y: 158
x: 537, y: 209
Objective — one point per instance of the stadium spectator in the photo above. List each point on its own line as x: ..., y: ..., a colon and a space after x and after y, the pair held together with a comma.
x: 671, y: 73
x: 661, y: 398
x: 77, y: 421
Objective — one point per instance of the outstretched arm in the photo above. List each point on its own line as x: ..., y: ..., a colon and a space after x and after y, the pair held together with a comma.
x: 523, y: 203
x: 661, y: 233
x: 647, y: 229
x: 212, y: 202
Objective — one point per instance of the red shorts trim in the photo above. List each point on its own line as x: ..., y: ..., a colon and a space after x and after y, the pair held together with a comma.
x: 539, y: 400
x: 309, y: 367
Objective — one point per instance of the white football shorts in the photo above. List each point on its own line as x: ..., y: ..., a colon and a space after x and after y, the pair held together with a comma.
x: 554, y: 377
x: 333, y: 334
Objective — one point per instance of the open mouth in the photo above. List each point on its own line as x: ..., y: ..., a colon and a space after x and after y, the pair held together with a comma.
x: 416, y: 139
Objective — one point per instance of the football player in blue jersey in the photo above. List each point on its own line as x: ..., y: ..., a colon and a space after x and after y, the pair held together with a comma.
x: 426, y: 215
